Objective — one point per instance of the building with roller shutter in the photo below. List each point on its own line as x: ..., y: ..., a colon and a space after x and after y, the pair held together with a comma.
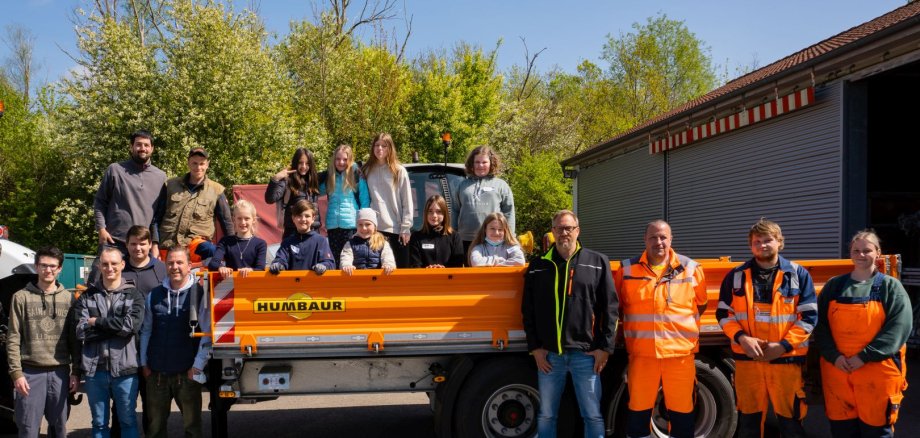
x: 821, y: 141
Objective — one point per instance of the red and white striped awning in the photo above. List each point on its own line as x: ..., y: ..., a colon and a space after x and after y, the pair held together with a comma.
x: 766, y: 111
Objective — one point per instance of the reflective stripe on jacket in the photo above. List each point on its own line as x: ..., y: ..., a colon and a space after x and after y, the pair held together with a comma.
x: 583, y: 316
x: 789, y: 319
x: 660, y: 314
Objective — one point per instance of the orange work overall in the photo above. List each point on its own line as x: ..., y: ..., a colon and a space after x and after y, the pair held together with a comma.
x: 661, y: 330
x: 757, y: 383
x: 873, y: 392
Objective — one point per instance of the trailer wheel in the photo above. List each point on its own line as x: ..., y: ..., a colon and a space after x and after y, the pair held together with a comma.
x: 499, y: 399
x: 716, y: 414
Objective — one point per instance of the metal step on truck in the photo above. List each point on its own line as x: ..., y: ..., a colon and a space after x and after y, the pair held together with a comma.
x: 455, y: 334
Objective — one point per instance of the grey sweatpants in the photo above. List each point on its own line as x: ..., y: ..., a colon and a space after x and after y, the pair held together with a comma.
x: 47, y: 398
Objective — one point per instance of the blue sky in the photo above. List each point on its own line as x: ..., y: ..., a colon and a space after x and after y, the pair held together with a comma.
x: 737, y: 31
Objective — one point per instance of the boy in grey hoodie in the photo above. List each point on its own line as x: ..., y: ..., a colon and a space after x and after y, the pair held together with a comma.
x: 41, y: 347
x: 110, y: 314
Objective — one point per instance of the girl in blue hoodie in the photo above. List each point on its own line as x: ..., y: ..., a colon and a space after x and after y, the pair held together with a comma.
x: 347, y: 192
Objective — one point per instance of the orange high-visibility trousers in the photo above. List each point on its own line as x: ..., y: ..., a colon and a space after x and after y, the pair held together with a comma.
x: 872, y: 393
x: 759, y: 383
x: 676, y: 376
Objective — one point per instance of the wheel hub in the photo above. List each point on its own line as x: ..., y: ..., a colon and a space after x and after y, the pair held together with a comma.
x: 511, y: 412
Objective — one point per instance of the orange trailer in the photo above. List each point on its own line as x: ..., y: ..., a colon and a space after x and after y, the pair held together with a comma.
x: 453, y: 333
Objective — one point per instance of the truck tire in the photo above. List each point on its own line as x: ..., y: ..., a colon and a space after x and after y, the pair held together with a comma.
x: 716, y: 415
x: 499, y: 399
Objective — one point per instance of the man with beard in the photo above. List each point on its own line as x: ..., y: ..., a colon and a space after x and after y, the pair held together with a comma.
x: 570, y: 318
x: 191, y: 204
x: 768, y: 308
x: 128, y: 195
x: 662, y: 294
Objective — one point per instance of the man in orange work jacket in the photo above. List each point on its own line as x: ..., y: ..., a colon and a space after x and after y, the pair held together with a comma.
x: 662, y: 295
x: 768, y: 308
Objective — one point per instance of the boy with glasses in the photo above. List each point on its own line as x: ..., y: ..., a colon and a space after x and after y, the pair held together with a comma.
x: 40, y: 363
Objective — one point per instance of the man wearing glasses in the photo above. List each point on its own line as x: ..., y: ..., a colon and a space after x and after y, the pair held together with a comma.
x: 41, y: 347
x: 570, y: 318
x: 663, y: 294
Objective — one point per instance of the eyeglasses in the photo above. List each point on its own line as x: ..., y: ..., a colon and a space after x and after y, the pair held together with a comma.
x: 47, y: 267
x: 565, y: 229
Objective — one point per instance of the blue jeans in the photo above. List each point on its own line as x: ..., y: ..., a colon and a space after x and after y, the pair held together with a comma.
x: 587, y: 391
x: 123, y: 391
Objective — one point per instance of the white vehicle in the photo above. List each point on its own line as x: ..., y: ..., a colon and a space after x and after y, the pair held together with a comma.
x: 16, y: 269
x: 13, y: 256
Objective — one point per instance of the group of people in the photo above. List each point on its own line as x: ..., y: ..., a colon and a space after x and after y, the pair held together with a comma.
x: 767, y: 307
x: 369, y: 216
x: 129, y: 332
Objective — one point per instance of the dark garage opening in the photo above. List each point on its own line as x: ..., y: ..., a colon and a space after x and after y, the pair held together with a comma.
x: 894, y: 161
x: 893, y: 166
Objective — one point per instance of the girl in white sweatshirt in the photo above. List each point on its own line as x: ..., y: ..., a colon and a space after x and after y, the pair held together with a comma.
x: 495, y: 245
x: 391, y: 196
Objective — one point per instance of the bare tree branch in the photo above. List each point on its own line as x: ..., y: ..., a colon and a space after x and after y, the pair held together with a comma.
x: 138, y: 22
x: 20, y: 63
x: 530, y: 63
x: 156, y: 17
x: 402, y: 47
x: 107, y: 8
x: 370, y: 14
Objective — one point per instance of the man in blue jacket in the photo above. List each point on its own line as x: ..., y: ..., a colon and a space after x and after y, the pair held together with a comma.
x: 173, y: 361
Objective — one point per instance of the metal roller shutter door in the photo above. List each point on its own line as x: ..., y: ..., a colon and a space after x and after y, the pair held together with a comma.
x: 787, y: 170
x: 616, y: 198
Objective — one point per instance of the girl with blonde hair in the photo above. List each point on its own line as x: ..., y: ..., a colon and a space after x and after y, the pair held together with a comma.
x: 368, y: 248
x: 391, y: 195
x: 242, y: 251
x: 347, y: 193
x: 495, y: 245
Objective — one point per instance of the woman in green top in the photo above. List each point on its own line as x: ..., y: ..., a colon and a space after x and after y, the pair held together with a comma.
x: 864, y: 320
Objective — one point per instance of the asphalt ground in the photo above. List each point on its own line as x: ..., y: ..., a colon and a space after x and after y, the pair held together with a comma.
x: 407, y: 415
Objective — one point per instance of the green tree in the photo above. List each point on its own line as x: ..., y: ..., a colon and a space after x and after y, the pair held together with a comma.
x: 205, y: 78
x: 589, y: 97
x: 657, y: 67
x: 30, y: 172
x: 225, y: 92
x: 532, y: 133
x: 461, y: 94
x: 354, y: 90
x: 539, y: 191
